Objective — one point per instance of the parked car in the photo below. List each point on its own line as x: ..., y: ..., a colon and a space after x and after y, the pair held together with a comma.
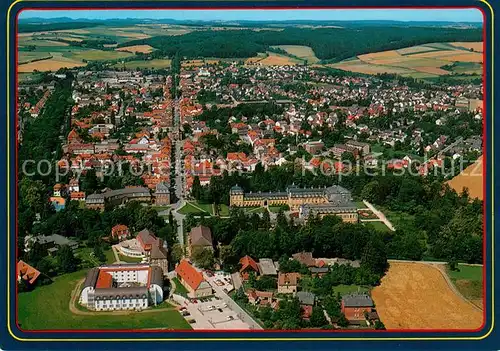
x: 229, y: 318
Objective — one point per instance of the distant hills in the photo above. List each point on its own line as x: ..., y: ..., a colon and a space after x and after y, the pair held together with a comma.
x: 247, y: 23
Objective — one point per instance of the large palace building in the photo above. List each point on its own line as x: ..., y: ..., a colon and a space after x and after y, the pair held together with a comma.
x: 334, y: 200
x: 122, y: 287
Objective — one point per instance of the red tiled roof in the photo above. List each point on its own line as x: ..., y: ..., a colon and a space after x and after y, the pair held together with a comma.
x: 248, y: 262
x: 105, y: 280
x: 26, y: 272
x: 189, y: 274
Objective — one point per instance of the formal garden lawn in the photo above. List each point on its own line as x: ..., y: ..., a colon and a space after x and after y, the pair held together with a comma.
x: 47, y: 307
x: 189, y: 208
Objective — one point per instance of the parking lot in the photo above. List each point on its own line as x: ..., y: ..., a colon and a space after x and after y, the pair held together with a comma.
x: 221, y: 279
x: 212, y: 314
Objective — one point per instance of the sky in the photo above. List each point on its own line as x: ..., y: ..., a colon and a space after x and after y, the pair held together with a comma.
x: 452, y: 15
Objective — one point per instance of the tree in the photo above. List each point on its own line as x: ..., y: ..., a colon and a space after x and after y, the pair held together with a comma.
x: 196, y: 189
x: 99, y: 253
x: 318, y: 318
x: 379, y: 325
x: 342, y: 321
x: 203, y: 257
x: 66, y: 260
x: 177, y: 252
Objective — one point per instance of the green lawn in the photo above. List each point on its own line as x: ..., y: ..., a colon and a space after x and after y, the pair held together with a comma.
x: 205, y: 207
x: 254, y: 209
x: 397, y: 218
x: 110, y: 257
x: 189, y: 208
x: 179, y: 288
x: 467, y: 272
x: 47, y: 307
x: 349, y: 289
x: 130, y: 259
x: 468, y: 280
x: 224, y: 210
x: 161, y: 208
x: 276, y: 209
x: 360, y: 204
x: 380, y: 226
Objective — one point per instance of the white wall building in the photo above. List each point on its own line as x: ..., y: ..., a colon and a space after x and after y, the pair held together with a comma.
x: 122, y: 287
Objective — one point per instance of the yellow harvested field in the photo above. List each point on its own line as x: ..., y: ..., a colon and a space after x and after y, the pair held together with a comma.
x: 198, y: 63
x: 277, y: 60
x: 379, y: 55
x: 471, y: 178
x: 145, y: 49
x: 49, y: 65
x: 466, y: 57
x: 417, y: 296
x: 475, y: 45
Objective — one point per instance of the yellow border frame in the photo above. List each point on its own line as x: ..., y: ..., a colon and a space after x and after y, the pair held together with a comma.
x: 239, y: 338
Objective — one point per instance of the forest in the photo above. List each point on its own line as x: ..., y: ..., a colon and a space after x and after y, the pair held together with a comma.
x: 329, y: 44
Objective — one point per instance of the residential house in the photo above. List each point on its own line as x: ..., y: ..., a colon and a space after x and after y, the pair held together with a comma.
x: 288, y: 283
x: 200, y: 237
x: 248, y: 265
x: 354, y: 306
x: 192, y: 280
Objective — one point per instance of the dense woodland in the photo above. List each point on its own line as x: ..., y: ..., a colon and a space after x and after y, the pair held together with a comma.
x: 331, y: 44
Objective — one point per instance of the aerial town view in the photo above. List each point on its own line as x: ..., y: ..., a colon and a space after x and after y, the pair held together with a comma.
x: 250, y: 170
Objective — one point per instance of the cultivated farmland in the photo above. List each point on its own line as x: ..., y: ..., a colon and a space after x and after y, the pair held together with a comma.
x: 471, y: 178
x: 145, y: 49
x: 417, y: 296
x: 421, y: 61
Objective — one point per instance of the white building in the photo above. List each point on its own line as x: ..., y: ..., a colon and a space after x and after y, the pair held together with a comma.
x: 122, y: 287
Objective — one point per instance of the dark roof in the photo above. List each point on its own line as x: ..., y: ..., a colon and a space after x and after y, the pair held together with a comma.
x: 121, y: 292
x: 236, y: 188
x: 91, y: 278
x: 319, y: 269
x: 201, y: 236
x: 357, y: 300
x: 306, y: 298
x: 162, y: 187
x: 156, y: 276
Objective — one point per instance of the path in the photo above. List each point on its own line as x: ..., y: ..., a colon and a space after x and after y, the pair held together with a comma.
x: 76, y: 293
x: 380, y: 215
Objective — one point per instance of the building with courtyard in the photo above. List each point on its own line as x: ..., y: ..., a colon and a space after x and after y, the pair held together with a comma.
x: 333, y: 200
x: 122, y: 287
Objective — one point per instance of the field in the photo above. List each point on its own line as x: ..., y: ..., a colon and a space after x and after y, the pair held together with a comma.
x: 417, y: 296
x: 100, y: 55
x: 303, y: 52
x: 278, y: 60
x: 145, y: 49
x: 469, y: 282
x: 421, y: 61
x: 141, y: 64
x: 471, y: 178
x: 47, y: 307
x: 476, y: 46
